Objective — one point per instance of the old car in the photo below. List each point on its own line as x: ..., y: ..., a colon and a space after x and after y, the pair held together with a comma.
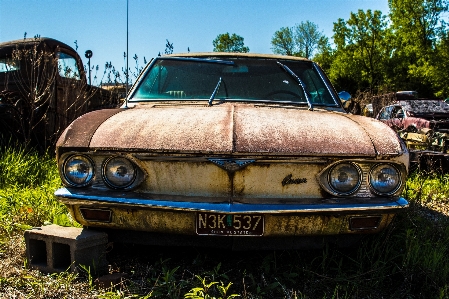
x: 232, y: 150
x: 423, y: 124
x: 43, y: 88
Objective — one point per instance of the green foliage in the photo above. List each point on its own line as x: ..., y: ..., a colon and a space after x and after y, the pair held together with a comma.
x: 406, y: 49
x: 283, y: 42
x: 23, y: 168
x: 409, y: 260
x: 27, y: 183
x: 300, y: 40
x: 361, y: 50
x: 417, y: 26
x: 229, y: 43
x: 204, y: 290
x: 324, y: 55
x: 307, y: 38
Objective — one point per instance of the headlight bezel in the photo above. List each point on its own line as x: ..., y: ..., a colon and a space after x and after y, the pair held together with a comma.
x: 393, y: 190
x: 365, y: 190
x: 107, y: 181
x: 354, y: 189
x: 64, y: 171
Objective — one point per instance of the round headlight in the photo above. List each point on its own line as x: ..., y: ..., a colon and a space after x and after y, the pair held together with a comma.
x: 384, y: 179
x: 78, y: 170
x: 345, y: 178
x: 119, y: 172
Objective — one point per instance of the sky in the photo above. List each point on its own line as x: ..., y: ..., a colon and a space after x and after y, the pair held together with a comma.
x: 101, y: 25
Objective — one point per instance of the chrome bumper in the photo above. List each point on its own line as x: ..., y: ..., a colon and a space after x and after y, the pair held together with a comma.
x: 143, y: 212
x: 330, y: 205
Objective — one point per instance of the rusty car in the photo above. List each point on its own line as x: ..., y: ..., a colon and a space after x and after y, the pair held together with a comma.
x: 234, y: 150
x: 43, y: 88
x: 423, y: 124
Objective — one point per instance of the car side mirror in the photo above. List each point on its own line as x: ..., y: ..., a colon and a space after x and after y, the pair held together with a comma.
x: 344, y: 95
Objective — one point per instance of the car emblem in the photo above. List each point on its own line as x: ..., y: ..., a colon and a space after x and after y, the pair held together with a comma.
x: 288, y: 180
x: 231, y: 164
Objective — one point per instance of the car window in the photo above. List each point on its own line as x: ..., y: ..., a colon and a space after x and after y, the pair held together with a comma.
x: 237, y: 79
x: 397, y: 112
x: 8, y: 65
x: 67, y: 66
x: 385, y: 113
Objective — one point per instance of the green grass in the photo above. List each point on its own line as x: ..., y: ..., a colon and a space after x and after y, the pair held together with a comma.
x: 408, y: 260
x: 27, y: 183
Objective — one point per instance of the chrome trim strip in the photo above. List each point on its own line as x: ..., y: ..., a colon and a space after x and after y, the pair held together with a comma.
x: 67, y: 197
x: 326, y: 82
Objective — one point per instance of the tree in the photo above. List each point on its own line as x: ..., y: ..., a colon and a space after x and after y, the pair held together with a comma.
x: 307, y: 37
x: 441, y: 68
x: 417, y: 27
x: 300, y: 40
x: 283, y: 42
x: 324, y: 54
x: 361, y: 52
x: 229, y: 43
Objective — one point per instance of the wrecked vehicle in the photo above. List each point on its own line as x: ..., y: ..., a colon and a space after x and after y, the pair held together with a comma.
x: 232, y: 150
x: 423, y: 124
x: 43, y: 88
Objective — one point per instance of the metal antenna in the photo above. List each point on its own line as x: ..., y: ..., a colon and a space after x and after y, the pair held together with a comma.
x: 127, y: 68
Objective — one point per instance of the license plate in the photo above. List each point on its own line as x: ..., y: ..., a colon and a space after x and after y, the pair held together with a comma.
x: 229, y: 224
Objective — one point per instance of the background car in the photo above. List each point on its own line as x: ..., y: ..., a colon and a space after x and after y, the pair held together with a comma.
x: 232, y: 150
x: 43, y: 88
x: 423, y: 124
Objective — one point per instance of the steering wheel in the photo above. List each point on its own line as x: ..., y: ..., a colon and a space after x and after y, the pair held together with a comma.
x: 280, y: 91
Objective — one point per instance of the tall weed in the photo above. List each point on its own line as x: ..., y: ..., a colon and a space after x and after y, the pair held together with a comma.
x: 408, y: 260
x: 27, y: 183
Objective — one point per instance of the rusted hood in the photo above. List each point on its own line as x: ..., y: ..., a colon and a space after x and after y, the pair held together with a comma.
x: 233, y: 128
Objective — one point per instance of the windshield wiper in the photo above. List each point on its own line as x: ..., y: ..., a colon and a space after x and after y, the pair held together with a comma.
x: 303, y: 86
x: 214, y: 93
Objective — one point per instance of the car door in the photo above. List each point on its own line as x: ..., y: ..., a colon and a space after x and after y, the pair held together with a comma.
x: 393, y: 116
x: 70, y: 84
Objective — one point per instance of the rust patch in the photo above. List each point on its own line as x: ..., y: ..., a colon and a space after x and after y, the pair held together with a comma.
x: 385, y: 140
x: 171, y: 128
x: 243, y: 128
x: 298, y: 131
x: 79, y: 132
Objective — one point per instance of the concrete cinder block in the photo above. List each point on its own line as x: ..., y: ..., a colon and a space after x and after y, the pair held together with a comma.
x: 55, y: 248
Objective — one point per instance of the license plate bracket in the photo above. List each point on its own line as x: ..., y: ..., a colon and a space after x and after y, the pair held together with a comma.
x: 222, y: 224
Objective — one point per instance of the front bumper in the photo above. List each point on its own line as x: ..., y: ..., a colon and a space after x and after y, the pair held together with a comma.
x: 143, y: 212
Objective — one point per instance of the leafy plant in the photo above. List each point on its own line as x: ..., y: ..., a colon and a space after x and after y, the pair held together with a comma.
x: 205, y: 289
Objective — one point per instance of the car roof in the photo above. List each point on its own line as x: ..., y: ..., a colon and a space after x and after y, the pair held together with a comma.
x: 9, y: 46
x: 232, y: 54
x: 424, y: 105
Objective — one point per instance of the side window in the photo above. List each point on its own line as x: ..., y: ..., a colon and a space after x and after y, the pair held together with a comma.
x: 385, y: 112
x: 154, y: 84
x: 8, y: 65
x: 67, y: 66
x: 397, y: 112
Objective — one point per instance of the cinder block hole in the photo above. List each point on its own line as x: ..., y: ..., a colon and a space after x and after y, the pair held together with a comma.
x: 38, y: 252
x: 61, y: 256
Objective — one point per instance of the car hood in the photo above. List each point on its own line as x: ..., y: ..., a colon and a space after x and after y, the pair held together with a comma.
x: 231, y: 128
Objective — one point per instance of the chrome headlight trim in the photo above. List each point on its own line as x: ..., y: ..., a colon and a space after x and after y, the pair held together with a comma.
x: 83, y: 168
x: 384, y: 175
x: 118, y: 172
x: 354, y: 180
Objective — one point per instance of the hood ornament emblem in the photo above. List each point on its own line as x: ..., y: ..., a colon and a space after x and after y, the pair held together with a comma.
x: 231, y: 165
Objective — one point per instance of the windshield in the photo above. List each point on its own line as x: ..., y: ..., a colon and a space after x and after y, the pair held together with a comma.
x: 233, y: 79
